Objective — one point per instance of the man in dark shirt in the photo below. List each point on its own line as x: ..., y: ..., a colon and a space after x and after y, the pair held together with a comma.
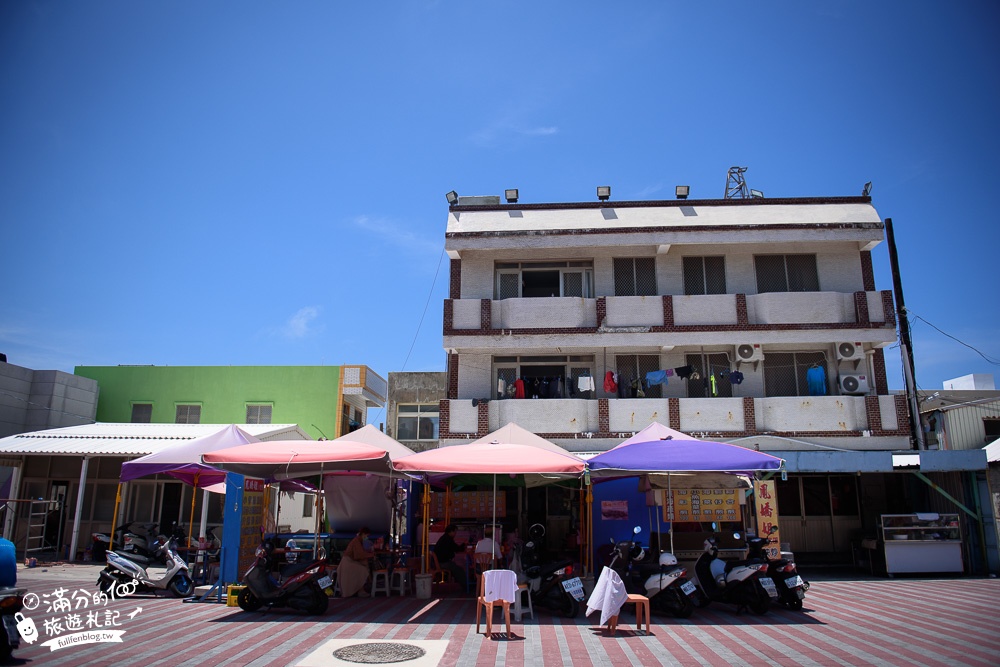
x: 445, y: 550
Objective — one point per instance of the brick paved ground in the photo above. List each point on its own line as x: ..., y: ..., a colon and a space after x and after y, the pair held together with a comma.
x: 846, y: 621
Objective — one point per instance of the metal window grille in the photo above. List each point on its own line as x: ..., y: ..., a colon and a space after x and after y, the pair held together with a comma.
x: 508, y: 285
x: 708, y: 365
x: 258, y: 414
x: 635, y: 276
x: 786, y: 273
x: 704, y: 275
x: 509, y: 376
x: 632, y: 369
x: 785, y: 372
x: 573, y: 284
x: 575, y: 374
x: 188, y: 414
x: 142, y: 413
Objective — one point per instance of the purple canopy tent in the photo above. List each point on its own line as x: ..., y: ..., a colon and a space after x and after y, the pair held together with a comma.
x: 656, y: 449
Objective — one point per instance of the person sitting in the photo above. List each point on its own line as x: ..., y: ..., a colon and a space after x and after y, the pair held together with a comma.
x: 445, y: 550
x: 354, y: 568
x: 487, y: 545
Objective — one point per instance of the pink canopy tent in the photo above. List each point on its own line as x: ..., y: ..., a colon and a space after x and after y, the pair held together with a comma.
x: 183, y: 461
x: 288, y: 459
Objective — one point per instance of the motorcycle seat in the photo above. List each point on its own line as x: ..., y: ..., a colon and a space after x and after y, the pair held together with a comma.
x: 296, y: 568
x: 135, y: 558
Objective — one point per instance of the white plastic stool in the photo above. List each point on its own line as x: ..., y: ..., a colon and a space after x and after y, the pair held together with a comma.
x: 522, y: 591
x: 400, y: 581
x: 380, y: 582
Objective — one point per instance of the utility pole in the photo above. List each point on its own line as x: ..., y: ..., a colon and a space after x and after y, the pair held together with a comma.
x: 905, y: 344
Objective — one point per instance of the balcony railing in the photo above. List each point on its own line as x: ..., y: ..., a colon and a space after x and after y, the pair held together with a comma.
x: 778, y: 308
x: 735, y: 417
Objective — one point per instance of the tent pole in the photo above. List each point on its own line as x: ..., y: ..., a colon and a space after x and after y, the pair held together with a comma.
x: 425, y: 551
x: 114, y: 517
x: 670, y: 500
x: 194, y: 496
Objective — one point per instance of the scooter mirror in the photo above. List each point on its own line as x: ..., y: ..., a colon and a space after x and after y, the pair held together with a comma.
x: 773, y: 530
x: 736, y: 536
x: 637, y: 530
x: 715, y: 526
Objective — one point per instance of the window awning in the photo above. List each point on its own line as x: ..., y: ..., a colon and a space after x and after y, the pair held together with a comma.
x: 883, y: 461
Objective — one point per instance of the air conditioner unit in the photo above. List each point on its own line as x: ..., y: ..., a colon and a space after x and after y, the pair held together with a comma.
x: 749, y: 352
x: 853, y: 384
x: 850, y: 351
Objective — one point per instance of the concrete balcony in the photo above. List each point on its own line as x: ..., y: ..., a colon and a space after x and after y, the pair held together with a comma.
x: 671, y: 312
x: 579, y: 423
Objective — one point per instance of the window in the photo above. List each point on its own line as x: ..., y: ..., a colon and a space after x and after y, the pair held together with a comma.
x: 142, y: 413
x: 786, y: 273
x: 544, y: 279
x: 992, y: 427
x: 785, y: 372
x: 258, y: 414
x: 709, y: 365
x: 308, y: 500
x: 632, y: 369
x: 188, y: 414
x: 544, y: 376
x: 704, y: 275
x: 635, y: 276
x: 417, y: 422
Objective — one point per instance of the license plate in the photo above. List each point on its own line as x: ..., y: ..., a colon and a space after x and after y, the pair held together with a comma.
x: 574, y: 587
x: 792, y: 582
x: 325, y: 582
x: 769, y: 586
x: 688, y: 588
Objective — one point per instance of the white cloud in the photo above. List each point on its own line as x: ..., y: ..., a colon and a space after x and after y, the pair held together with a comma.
x: 391, y: 232
x: 301, y: 323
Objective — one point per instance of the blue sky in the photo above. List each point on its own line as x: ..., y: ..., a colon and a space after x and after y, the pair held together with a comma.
x: 220, y: 183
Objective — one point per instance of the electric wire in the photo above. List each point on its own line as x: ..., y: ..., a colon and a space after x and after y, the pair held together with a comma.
x: 995, y: 362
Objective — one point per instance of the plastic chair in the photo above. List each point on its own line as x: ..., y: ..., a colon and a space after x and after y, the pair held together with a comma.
x: 399, y: 581
x: 523, y: 591
x: 641, y: 603
x: 380, y: 582
x: 496, y: 587
x: 435, y: 570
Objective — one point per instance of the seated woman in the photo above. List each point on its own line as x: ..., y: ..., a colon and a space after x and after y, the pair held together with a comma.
x: 353, y: 570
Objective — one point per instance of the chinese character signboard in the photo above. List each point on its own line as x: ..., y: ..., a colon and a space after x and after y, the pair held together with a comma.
x: 252, y: 521
x: 470, y: 505
x: 766, y: 502
x: 702, y: 505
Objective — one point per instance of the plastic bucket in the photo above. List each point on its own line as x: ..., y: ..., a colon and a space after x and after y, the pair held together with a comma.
x: 424, y: 586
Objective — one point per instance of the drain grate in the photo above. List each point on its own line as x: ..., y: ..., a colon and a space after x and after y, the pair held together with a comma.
x: 379, y: 653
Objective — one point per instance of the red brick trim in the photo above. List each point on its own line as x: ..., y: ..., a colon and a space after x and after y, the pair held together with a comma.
x: 444, y: 418
x: 452, y: 376
x: 668, y: 310
x: 603, y: 415
x: 881, y: 379
x: 742, y: 316
x: 674, y: 410
x: 867, y: 272
x: 482, y: 418
x: 486, y: 314
x: 861, y: 308
x: 749, y: 416
x: 602, y: 310
x: 889, y: 308
x: 455, y: 280
x: 449, y: 315
x: 874, y: 414
x: 681, y: 328
x: 708, y: 435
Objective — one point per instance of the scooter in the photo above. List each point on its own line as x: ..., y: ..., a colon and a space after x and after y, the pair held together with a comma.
x: 11, y: 602
x: 128, y: 541
x: 553, y: 586
x: 664, y: 583
x: 304, y: 586
x: 790, y: 586
x: 743, y: 583
x: 129, y: 571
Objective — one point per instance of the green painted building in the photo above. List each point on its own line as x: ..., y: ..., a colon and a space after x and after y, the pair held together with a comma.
x: 325, y: 401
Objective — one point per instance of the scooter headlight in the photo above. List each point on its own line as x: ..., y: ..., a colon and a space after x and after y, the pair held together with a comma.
x: 560, y: 572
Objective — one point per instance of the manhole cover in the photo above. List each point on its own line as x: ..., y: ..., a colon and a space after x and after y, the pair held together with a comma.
x: 379, y: 653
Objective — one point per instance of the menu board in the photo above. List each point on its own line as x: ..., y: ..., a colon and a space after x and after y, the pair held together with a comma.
x: 251, y: 521
x: 470, y: 505
x: 702, y: 505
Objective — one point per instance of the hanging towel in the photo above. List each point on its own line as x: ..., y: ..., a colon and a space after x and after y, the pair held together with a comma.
x: 609, y: 595
x: 518, y: 388
x: 816, y: 379
x: 499, y: 585
x: 501, y: 387
x: 712, y: 384
x: 656, y: 377
x: 610, y: 386
x: 736, y: 377
x: 586, y: 383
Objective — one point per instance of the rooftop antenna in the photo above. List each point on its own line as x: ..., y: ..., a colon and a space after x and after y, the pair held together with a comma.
x: 736, y: 186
